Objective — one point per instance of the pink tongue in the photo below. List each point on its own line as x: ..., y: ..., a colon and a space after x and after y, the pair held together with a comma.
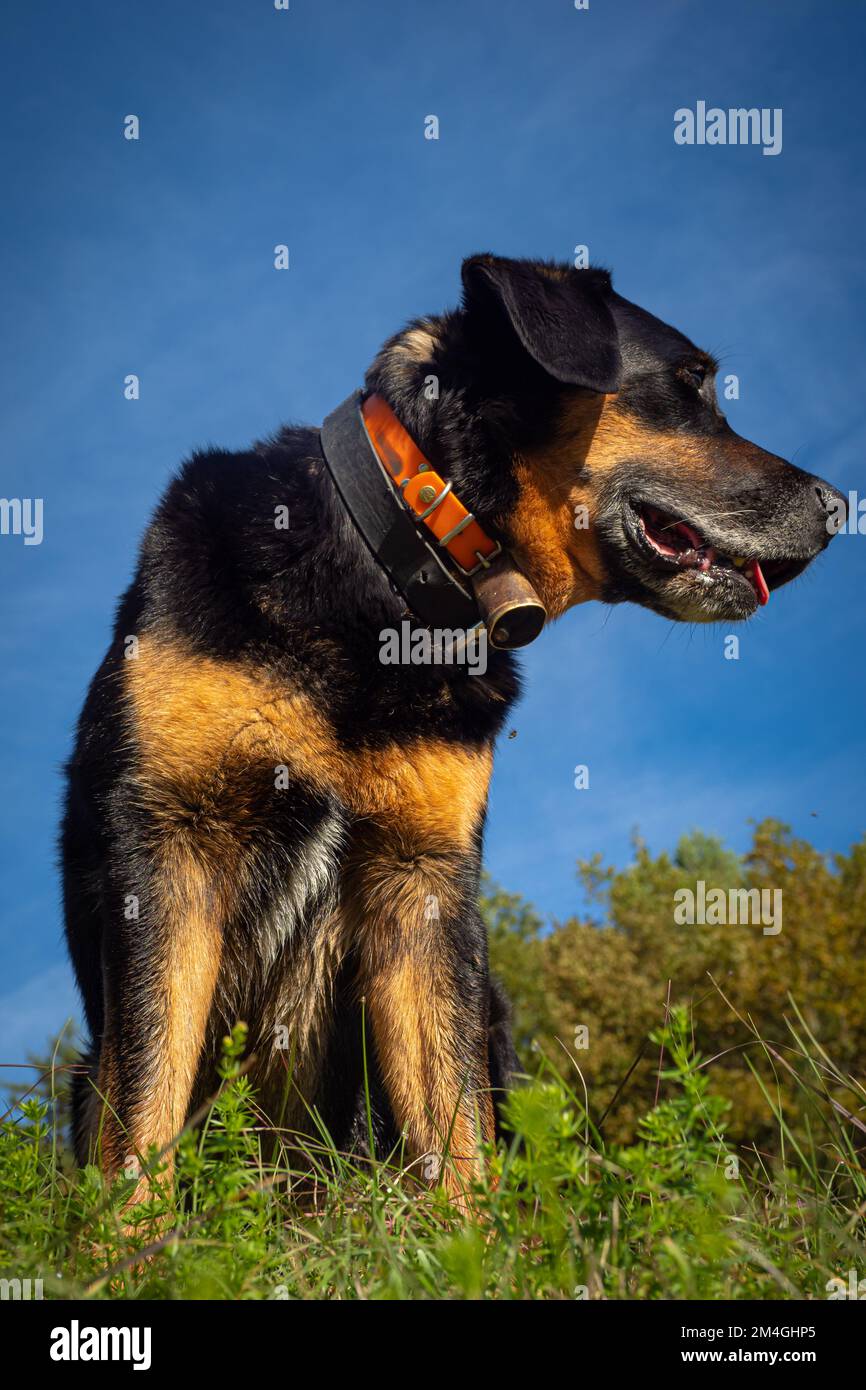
x: 753, y: 570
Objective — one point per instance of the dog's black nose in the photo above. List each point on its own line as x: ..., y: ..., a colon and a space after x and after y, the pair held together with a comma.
x: 834, y: 507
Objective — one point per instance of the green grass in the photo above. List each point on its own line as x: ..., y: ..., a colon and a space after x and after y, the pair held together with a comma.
x: 561, y: 1215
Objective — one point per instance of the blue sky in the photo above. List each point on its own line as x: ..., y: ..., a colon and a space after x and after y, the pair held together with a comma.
x: 306, y: 127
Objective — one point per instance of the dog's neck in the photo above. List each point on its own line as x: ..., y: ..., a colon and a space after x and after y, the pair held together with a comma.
x: 473, y: 426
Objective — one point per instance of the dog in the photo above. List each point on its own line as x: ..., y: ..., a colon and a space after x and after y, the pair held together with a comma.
x: 264, y: 821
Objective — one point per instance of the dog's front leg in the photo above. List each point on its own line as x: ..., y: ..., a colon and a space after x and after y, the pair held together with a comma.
x: 423, y: 974
x: 160, y: 969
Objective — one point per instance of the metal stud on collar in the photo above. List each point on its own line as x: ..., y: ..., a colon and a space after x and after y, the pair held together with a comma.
x: 437, y: 502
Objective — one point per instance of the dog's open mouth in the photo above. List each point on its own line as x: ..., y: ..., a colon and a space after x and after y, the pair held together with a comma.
x: 679, y: 544
x: 717, y: 561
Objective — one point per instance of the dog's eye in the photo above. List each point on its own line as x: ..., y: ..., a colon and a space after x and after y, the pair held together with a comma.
x: 693, y: 376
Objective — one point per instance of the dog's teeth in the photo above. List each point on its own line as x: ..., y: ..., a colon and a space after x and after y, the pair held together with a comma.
x: 738, y: 561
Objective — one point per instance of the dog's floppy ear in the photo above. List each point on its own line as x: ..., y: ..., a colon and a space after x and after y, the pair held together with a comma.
x: 559, y: 315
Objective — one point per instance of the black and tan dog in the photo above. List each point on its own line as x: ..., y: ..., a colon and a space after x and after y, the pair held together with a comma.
x: 264, y: 821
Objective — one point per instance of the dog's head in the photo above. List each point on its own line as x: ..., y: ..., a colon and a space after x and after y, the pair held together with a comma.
x: 588, y: 435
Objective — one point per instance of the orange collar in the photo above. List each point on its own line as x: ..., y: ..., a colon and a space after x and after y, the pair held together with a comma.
x: 428, y: 496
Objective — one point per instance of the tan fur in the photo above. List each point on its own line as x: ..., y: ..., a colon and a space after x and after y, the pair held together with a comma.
x: 561, y: 561
x: 416, y: 1029
x: 412, y: 350
x: 593, y: 436
x: 399, y: 899
x: 198, y: 723
x: 196, y: 906
x: 201, y: 728
x: 192, y: 913
x: 419, y: 343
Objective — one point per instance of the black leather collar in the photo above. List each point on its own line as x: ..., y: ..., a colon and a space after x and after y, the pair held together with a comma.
x: 431, y: 589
